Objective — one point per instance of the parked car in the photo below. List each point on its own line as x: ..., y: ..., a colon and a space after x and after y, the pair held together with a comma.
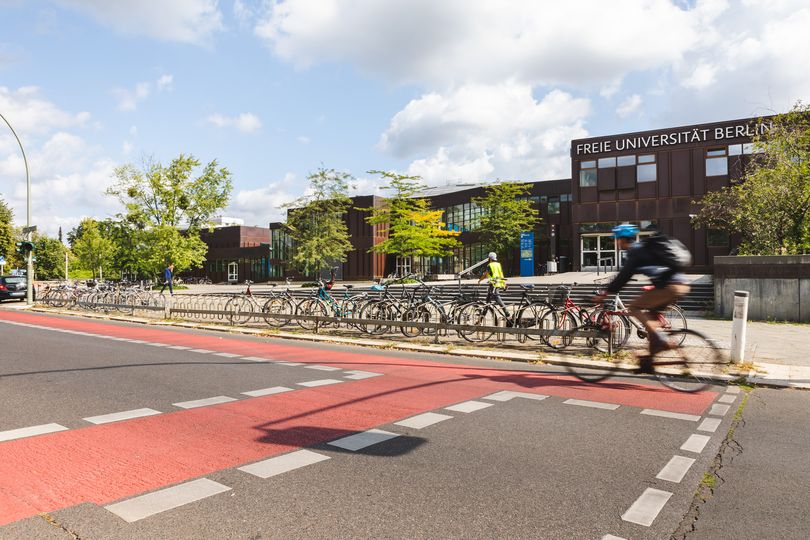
x: 13, y: 288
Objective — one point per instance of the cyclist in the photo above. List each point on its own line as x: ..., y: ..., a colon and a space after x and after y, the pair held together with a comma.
x: 660, y: 259
x: 494, y: 273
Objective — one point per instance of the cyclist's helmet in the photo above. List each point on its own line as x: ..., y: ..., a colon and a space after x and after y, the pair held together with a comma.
x: 625, y: 230
x: 493, y: 256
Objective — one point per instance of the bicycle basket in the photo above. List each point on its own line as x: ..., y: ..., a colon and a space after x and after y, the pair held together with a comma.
x: 558, y: 295
x: 328, y: 285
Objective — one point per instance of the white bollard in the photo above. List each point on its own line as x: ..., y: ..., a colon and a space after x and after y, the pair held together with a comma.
x: 738, y: 326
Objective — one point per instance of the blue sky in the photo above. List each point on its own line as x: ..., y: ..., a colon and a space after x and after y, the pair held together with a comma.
x: 455, y: 91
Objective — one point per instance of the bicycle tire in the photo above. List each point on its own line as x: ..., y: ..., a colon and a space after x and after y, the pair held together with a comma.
x: 310, y: 307
x: 236, y: 308
x: 414, y: 314
x: 693, y: 365
x: 278, y: 306
x: 618, y: 327
x: 559, y: 321
x: 530, y: 318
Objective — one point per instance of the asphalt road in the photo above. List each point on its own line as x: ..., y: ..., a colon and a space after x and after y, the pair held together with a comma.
x: 110, y: 431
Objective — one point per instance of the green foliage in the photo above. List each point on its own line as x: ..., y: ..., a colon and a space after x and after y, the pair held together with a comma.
x: 158, y: 202
x: 507, y: 212
x: 50, y: 255
x: 316, y: 225
x: 7, y: 234
x: 770, y: 208
x: 414, y: 230
x: 94, y: 251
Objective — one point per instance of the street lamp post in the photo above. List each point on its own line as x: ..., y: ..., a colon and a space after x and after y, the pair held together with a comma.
x: 29, y: 263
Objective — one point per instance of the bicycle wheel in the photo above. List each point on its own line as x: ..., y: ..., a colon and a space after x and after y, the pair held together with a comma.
x: 481, y: 315
x: 414, y: 314
x: 310, y: 307
x: 617, y: 328
x: 277, y: 306
x: 530, y: 317
x: 558, y: 321
x: 238, y: 309
x: 693, y: 365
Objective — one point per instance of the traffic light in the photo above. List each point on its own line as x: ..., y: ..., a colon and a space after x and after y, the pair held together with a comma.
x: 25, y: 247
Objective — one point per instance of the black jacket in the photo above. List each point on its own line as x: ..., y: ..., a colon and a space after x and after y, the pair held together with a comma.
x: 644, y: 258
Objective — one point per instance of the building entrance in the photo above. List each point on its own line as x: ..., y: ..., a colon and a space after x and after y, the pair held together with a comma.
x: 599, y: 250
x: 233, y: 272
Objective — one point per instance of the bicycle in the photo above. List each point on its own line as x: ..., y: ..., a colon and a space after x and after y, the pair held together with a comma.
x: 567, y: 317
x: 690, y: 366
x: 241, y: 308
x: 527, y: 313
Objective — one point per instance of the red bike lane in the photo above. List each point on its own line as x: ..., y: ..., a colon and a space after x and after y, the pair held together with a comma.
x: 105, y: 463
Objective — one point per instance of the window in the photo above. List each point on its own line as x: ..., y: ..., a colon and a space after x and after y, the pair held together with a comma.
x: 735, y: 149
x: 587, y: 174
x: 626, y: 160
x: 554, y: 205
x: 716, y: 238
x: 716, y: 162
x: 607, y: 162
x: 647, y: 169
x: 565, y: 197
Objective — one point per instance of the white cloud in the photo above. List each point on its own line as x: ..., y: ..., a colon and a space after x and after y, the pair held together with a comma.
x: 128, y: 99
x: 30, y: 113
x: 481, y: 132
x: 456, y: 41
x: 262, y: 205
x: 187, y: 21
x: 303, y: 139
x: 165, y: 82
x: 629, y: 106
x: 245, y: 122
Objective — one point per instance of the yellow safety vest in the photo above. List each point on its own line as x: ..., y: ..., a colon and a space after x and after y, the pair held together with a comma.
x: 496, y: 275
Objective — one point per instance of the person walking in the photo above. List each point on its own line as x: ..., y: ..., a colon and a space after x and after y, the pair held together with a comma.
x: 168, y: 277
x: 494, y: 273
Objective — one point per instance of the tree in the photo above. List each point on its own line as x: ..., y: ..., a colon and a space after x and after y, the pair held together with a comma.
x: 506, y: 212
x: 159, y: 201
x: 414, y: 230
x: 770, y: 207
x: 93, y: 250
x: 50, y: 255
x: 316, y: 222
x: 7, y: 234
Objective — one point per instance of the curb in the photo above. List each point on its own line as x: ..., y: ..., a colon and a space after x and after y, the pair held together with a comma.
x: 509, y: 356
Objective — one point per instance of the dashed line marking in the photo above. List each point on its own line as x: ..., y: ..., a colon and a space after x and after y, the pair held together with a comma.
x: 732, y: 390
x: 179, y: 347
x: 203, y: 402
x: 141, y: 507
x: 726, y: 398
x: 201, y: 351
x: 321, y: 382
x: 152, y: 344
x: 676, y: 469
x: 20, y: 433
x: 646, y: 508
x: 469, y: 406
x: 363, y: 440
x: 358, y: 375
x: 268, y: 391
x: 281, y: 464
x: 668, y: 414
x: 695, y: 443
x: 227, y: 354
x: 592, y: 404
x: 423, y: 420
x: 256, y: 359
x: 117, y: 417
x: 611, y: 537
x: 290, y: 363
x: 719, y: 410
x: 710, y: 424
x: 506, y: 395
x: 322, y: 368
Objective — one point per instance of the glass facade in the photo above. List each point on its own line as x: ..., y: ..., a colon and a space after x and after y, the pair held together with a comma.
x: 463, y: 217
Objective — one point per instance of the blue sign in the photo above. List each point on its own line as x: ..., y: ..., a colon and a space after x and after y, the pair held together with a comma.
x: 526, y: 254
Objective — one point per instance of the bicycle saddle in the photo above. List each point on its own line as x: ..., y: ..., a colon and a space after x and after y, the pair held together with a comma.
x: 647, y: 287
x: 527, y: 287
x: 349, y: 286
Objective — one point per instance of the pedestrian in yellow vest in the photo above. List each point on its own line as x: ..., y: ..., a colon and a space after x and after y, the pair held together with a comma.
x: 494, y: 273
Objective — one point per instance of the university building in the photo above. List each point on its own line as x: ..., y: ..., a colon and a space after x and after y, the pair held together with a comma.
x: 649, y: 178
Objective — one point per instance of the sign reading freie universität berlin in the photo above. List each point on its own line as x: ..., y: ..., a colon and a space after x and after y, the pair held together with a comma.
x: 526, y: 254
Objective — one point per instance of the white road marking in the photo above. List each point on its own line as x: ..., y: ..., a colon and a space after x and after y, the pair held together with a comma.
x: 695, y: 443
x: 227, y: 354
x: 125, y: 415
x: 667, y: 414
x: 363, y: 440
x: 256, y: 359
x: 201, y: 351
x: 359, y: 375
x: 131, y: 340
x: 322, y: 368
x: 20, y: 433
x: 281, y: 464
x: 423, y: 420
x: 154, y: 503
x: 468, y: 406
x: 203, y: 402
x: 710, y: 424
x: 719, y: 410
x: 594, y: 404
x: 179, y: 347
x: 155, y: 344
x: 506, y: 395
x: 646, y: 508
x: 268, y: 391
x: 732, y: 390
x: 290, y: 363
x: 321, y: 382
x: 726, y: 398
x: 676, y: 469
x: 611, y: 537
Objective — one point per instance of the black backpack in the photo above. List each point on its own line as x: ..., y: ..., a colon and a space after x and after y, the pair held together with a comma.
x: 669, y: 252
